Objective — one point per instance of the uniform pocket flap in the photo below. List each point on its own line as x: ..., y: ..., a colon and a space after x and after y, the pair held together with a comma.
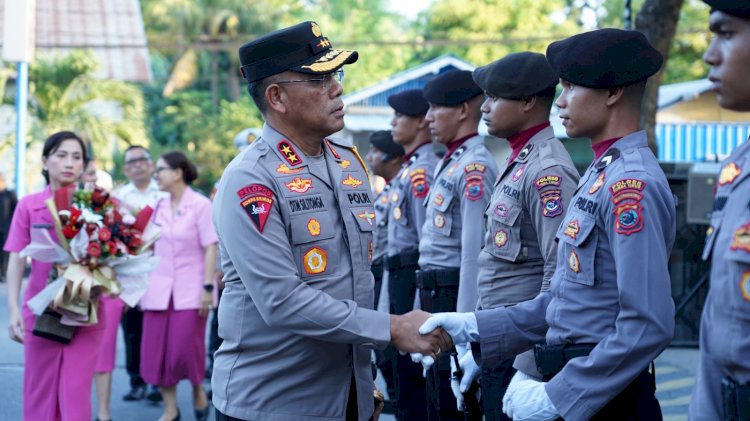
x: 311, y: 227
x: 365, y: 218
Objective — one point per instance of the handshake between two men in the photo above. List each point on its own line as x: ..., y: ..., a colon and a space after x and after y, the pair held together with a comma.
x: 425, y: 336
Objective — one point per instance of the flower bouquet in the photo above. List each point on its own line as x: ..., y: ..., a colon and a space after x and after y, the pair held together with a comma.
x: 100, y: 248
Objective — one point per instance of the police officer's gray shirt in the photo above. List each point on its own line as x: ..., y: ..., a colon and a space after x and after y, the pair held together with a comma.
x: 527, y: 206
x: 725, y: 324
x: 410, y: 189
x: 295, y: 315
x: 452, y: 234
x: 611, y: 285
x: 380, y: 234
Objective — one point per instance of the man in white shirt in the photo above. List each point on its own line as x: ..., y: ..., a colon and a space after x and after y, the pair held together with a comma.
x: 140, y: 192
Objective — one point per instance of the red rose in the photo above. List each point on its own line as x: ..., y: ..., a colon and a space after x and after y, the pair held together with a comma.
x: 104, y: 234
x: 74, y: 215
x: 99, y: 197
x: 70, y: 231
x: 112, y: 247
x: 94, y: 249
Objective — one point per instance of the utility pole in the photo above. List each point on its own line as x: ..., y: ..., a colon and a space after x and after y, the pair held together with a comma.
x: 18, y: 46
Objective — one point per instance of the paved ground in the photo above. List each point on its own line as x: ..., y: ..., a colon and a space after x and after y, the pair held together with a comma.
x: 675, y: 373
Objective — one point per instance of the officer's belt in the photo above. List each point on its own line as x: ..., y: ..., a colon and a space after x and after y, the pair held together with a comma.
x: 550, y: 359
x: 402, y: 260
x: 736, y: 399
x: 438, y: 278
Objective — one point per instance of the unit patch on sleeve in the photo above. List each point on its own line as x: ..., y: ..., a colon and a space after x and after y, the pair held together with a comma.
x: 257, y: 201
x: 741, y: 238
x: 547, y: 180
x: 628, y: 218
x: 551, y: 203
x: 474, y: 184
x: 419, y: 185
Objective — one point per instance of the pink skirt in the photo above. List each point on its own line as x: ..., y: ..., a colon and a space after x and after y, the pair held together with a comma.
x: 112, y: 306
x: 173, y: 347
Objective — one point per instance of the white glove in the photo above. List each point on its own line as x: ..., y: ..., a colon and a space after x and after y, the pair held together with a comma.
x: 426, y: 360
x: 512, y: 386
x: 528, y: 400
x: 462, y: 327
x: 455, y: 387
x: 470, y: 368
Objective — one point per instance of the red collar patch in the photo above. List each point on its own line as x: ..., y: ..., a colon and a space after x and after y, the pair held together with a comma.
x: 333, y: 151
x: 291, y: 156
x: 257, y: 201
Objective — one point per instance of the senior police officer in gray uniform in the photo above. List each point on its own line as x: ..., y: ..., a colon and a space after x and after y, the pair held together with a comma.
x: 294, y: 217
x: 609, y: 311
x: 452, y: 233
x: 405, y: 220
x: 722, y: 388
x: 527, y: 205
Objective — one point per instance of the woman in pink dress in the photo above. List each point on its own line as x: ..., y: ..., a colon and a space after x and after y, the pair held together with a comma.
x: 180, y: 290
x: 57, y: 377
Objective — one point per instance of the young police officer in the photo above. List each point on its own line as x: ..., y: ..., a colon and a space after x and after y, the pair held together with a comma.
x: 609, y: 311
x: 722, y: 389
x: 527, y: 205
x: 405, y: 220
x: 294, y: 217
x: 452, y: 232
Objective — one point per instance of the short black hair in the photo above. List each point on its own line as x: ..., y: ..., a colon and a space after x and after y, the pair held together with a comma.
x: 178, y: 160
x: 134, y: 147
x: 53, y: 143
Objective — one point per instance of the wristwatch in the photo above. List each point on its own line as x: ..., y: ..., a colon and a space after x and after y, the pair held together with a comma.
x: 208, y: 287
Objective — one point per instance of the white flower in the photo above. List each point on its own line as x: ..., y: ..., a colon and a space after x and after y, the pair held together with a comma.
x: 64, y: 213
x: 128, y: 219
x: 91, y: 217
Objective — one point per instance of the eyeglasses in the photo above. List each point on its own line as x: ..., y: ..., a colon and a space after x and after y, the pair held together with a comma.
x: 338, y: 75
x: 135, y: 161
x: 157, y: 170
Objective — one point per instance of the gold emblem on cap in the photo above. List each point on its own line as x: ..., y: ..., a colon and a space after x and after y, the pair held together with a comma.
x: 316, y: 29
x: 330, y: 61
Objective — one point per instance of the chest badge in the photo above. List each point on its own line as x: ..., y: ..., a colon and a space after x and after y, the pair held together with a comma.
x: 519, y: 172
x: 352, y: 182
x: 438, y: 200
x: 367, y: 216
x: 369, y: 252
x: 345, y: 163
x: 315, y: 261
x: 745, y: 285
x: 299, y: 185
x: 597, y: 184
x: 572, y: 229
x: 451, y: 169
x: 397, y: 213
x: 729, y: 173
x: 313, y: 227
x: 501, y: 210
x: 573, y: 262
x: 501, y: 238
x: 439, y: 220
x: 741, y: 238
x: 384, y: 199
x: 284, y: 169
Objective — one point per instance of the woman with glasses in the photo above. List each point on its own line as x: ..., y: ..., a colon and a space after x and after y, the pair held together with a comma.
x: 57, y: 376
x: 180, y: 290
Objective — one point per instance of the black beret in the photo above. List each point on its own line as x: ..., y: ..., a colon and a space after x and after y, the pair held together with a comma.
x: 451, y: 88
x: 605, y: 58
x: 516, y: 76
x: 383, y: 141
x: 410, y: 102
x: 301, y: 48
x: 739, y: 8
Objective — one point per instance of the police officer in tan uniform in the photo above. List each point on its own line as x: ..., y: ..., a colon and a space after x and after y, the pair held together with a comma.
x: 609, y: 312
x: 452, y: 233
x: 410, y: 188
x: 722, y: 386
x: 528, y: 203
x: 294, y: 217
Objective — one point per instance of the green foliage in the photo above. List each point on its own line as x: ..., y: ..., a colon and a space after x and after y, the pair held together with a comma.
x: 65, y: 95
